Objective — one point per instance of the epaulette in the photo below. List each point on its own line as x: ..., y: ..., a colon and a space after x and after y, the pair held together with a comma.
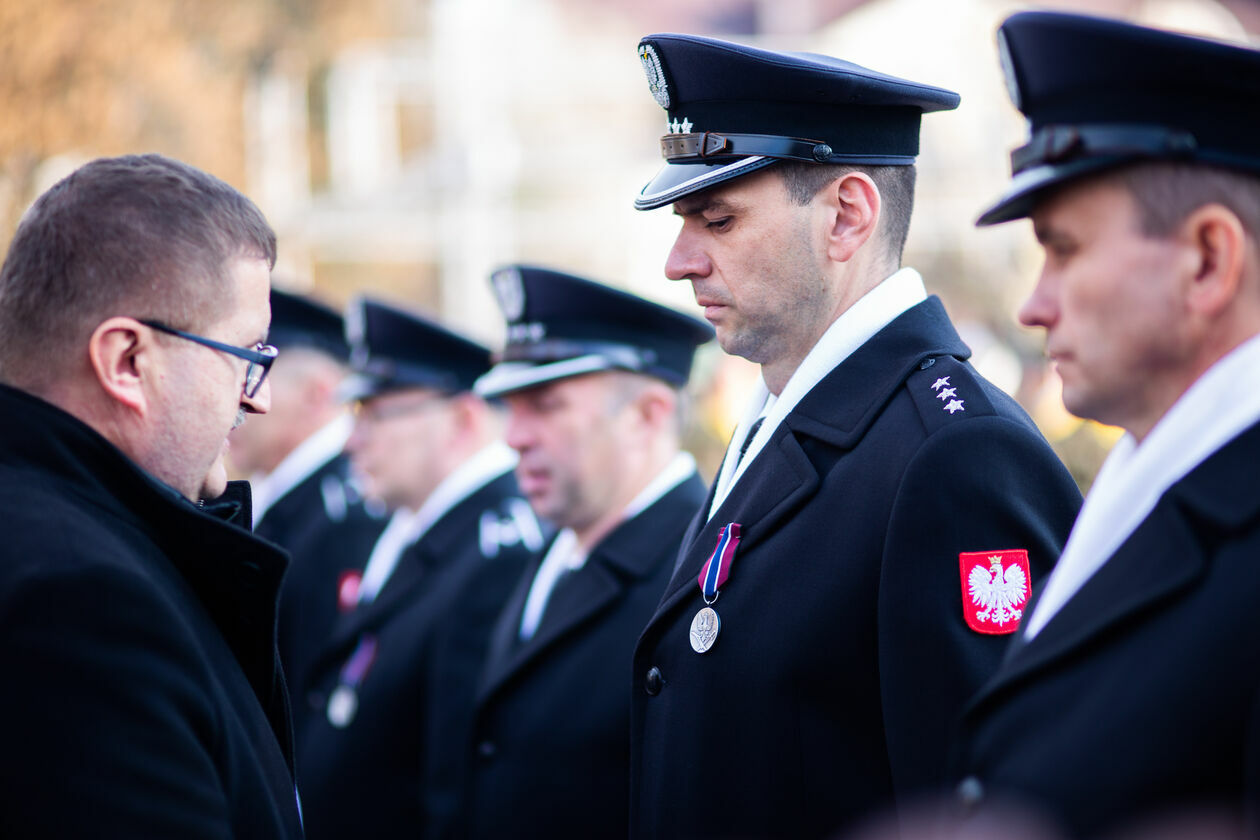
x: 947, y: 390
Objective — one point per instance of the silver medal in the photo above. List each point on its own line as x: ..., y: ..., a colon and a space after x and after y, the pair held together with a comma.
x: 704, y: 629
x: 342, y: 705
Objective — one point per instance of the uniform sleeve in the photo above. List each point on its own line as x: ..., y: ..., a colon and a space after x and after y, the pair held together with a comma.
x: 104, y: 718
x: 983, y: 484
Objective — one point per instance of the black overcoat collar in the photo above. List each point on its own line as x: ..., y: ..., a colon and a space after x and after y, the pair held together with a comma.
x: 1167, y: 553
x: 631, y: 553
x: 837, y: 412
x: 233, y: 574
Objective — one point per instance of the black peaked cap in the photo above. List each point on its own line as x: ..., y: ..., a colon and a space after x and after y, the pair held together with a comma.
x: 561, y: 325
x: 1101, y: 93
x: 394, y: 348
x: 298, y: 321
x: 733, y: 109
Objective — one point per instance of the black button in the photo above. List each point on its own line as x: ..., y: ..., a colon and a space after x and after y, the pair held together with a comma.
x: 486, y: 749
x: 970, y: 793
x: 655, y: 681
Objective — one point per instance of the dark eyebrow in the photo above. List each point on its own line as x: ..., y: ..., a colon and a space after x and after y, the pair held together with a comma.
x: 702, y: 204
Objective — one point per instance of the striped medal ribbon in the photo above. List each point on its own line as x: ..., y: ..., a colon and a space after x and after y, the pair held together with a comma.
x: 706, y: 624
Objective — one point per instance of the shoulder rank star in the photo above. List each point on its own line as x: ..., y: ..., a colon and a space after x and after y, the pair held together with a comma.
x: 706, y: 624
x: 945, y: 392
x: 995, y: 587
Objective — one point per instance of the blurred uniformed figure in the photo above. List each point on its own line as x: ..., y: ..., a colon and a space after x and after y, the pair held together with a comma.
x: 592, y: 379
x: 458, y: 540
x: 304, y: 497
x: 870, y: 540
x: 1133, y: 687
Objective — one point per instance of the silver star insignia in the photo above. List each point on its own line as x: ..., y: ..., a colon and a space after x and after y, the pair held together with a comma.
x: 946, y: 393
x: 955, y: 405
x: 944, y: 380
x: 686, y: 126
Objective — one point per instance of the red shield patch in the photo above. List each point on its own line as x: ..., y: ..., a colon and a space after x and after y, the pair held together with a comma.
x: 348, y: 589
x: 995, y: 588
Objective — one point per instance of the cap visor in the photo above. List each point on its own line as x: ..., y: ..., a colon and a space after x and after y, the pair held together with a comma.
x: 676, y: 180
x: 1031, y: 186
x: 506, y: 377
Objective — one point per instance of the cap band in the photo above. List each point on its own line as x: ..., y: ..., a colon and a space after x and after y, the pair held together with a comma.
x: 685, y: 148
x: 1059, y: 143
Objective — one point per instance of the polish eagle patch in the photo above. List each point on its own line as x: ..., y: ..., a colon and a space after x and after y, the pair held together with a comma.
x: 995, y: 587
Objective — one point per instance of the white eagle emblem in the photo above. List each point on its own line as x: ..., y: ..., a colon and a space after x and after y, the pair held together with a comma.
x: 655, y: 75
x: 998, y: 592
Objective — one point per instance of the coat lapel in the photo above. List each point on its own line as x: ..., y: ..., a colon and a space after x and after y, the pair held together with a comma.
x: 836, y: 412
x: 445, y: 542
x: 629, y: 554
x: 782, y: 480
x: 577, y: 598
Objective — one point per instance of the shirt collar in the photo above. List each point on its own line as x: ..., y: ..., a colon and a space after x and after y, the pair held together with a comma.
x: 856, y: 325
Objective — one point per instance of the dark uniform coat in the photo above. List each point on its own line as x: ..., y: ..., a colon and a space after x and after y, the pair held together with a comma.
x: 364, y: 779
x: 1142, y: 694
x: 324, y: 525
x: 843, y: 657
x: 548, y: 751
x: 141, y: 695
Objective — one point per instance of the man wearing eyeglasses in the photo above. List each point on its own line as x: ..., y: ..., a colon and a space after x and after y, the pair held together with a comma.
x: 141, y: 696
x: 456, y: 545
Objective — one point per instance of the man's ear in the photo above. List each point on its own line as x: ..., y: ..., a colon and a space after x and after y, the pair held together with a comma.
x: 120, y: 353
x: 1218, y: 244
x: 656, y: 404
x: 853, y: 207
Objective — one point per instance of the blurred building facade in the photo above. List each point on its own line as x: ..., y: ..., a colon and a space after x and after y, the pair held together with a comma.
x: 407, y: 147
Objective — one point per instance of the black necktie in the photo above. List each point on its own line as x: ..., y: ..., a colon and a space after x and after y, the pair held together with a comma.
x: 752, y: 433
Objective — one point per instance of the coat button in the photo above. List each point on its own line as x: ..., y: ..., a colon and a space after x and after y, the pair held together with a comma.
x: 486, y: 749
x: 970, y: 793
x: 655, y: 681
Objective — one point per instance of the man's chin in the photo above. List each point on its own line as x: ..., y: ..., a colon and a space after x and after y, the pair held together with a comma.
x: 215, y: 482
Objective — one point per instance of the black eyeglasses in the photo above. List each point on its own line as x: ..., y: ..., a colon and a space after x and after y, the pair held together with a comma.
x: 260, y: 356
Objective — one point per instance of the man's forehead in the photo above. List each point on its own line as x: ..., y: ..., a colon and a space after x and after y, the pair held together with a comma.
x: 566, y: 387
x: 1078, y: 201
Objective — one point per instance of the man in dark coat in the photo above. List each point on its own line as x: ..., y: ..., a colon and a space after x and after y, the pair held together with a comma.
x: 459, y: 538
x: 1132, y: 692
x: 591, y: 377
x: 142, y: 695
x: 872, y: 534
x: 305, y: 498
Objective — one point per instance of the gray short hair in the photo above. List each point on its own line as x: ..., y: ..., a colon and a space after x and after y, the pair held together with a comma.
x: 1167, y: 193
x: 140, y: 235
